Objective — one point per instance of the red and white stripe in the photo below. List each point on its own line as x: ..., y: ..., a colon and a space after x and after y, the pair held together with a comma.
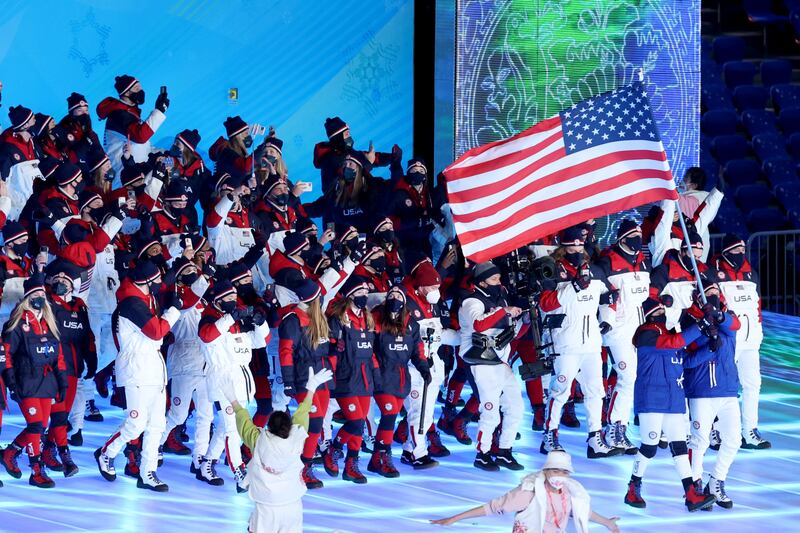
x: 506, y: 194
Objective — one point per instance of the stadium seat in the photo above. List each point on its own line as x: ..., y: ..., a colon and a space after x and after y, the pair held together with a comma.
x: 727, y: 48
x: 788, y: 194
x: 710, y: 72
x: 738, y: 73
x: 789, y: 120
x: 794, y: 218
x: 785, y: 95
x: 769, y: 145
x: 754, y: 196
x: 750, y: 97
x: 794, y: 146
x: 741, y: 172
x: 727, y: 147
x: 761, y: 12
x: 767, y: 219
x: 780, y: 171
x: 757, y: 121
x: 715, y: 96
x: 733, y: 223
x: 775, y: 71
x: 719, y: 122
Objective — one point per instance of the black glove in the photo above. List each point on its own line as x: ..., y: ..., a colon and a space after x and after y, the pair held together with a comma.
x: 609, y: 298
x: 162, y: 102
x: 246, y: 324
x: 117, y: 211
x: 259, y: 318
x: 242, y: 313
x: 62, y: 394
x: 426, y: 376
x: 173, y: 300
x: 605, y: 327
x: 667, y: 300
x: 289, y: 390
x: 581, y: 283
x: 44, y: 216
x: 209, y: 270
x: 260, y: 239
x: 10, y: 379
x: 359, y: 252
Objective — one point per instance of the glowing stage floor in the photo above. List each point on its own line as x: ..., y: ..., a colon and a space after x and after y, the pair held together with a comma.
x: 765, y: 485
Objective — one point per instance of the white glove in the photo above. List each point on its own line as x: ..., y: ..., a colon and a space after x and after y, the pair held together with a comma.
x: 225, y: 383
x: 315, y: 380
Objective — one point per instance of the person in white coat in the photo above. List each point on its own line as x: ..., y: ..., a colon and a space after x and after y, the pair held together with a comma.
x: 544, y: 502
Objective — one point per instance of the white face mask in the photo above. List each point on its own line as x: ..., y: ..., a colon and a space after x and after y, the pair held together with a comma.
x: 557, y: 482
x: 433, y: 296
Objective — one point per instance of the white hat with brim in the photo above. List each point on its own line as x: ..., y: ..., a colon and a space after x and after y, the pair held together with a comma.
x: 559, y: 460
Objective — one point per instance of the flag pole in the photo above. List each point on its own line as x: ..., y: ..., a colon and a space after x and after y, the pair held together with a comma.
x: 688, y: 242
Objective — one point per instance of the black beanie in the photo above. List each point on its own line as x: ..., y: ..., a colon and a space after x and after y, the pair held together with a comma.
x: 626, y: 227
x: 18, y: 116
x: 145, y: 272
x: 334, y: 126
x: 124, y: 83
x: 191, y: 138
x: 75, y: 100
x: 234, y: 126
x: 731, y: 241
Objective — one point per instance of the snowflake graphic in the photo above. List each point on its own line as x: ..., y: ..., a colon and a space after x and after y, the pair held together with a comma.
x: 87, y: 33
x: 370, y: 81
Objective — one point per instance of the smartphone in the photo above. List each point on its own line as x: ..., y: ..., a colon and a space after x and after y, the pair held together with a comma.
x: 330, y: 226
x: 44, y: 249
x: 163, y: 89
x: 131, y: 194
x: 309, y: 186
x: 187, y: 242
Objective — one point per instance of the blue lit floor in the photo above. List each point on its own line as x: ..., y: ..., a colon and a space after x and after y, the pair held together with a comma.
x: 765, y: 485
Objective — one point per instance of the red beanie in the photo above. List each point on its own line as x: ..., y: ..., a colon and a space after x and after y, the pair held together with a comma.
x: 426, y: 275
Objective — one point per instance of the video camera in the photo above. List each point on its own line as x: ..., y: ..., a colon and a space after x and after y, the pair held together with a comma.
x: 483, y: 347
x: 525, y: 273
x: 545, y: 363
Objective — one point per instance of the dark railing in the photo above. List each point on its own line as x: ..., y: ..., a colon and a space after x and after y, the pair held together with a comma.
x: 775, y: 255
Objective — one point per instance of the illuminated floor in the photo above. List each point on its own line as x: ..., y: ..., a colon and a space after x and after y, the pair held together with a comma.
x: 765, y: 485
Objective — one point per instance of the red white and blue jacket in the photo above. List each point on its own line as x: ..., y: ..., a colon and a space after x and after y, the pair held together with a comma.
x: 296, y: 352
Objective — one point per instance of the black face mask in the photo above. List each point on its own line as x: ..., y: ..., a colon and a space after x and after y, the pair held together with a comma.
x: 79, y: 186
x: 37, y: 303
x: 248, y: 141
x: 714, y: 300
x: 85, y: 121
x: 351, y: 244
x: 494, y: 291
x: 416, y: 178
x: 176, y: 211
x: 272, y: 159
x: 245, y: 289
x: 158, y: 260
x: 348, y: 143
x: 175, y: 151
x: 633, y: 243
x: 110, y: 175
x: 20, y: 248
x: 188, y: 279
x: 360, y: 301
x: 137, y: 97
x: 312, y: 240
x: 736, y: 260
x: 308, y: 255
x: 385, y: 236
x: 658, y: 319
x: 349, y: 174
x: 394, y: 305
x: 378, y: 264
x: 154, y: 287
x: 575, y: 258
x: 281, y: 199
x: 60, y: 288
x: 227, y: 306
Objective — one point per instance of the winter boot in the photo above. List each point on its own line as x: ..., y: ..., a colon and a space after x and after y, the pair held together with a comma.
x: 105, y: 464
x: 598, y: 449
x: 550, y: 442
x: 321, y: 447
x: 309, y: 478
x: 132, y: 461
x: 714, y: 440
x: 240, y: 476
x: 174, y: 445
x: 50, y: 457
x: 368, y: 444
x: 505, y: 459
x: 716, y: 488
x: 634, y: 495
x: 460, y: 430
x: 445, y: 422
x: 101, y: 381
x: 351, y: 470
x: 485, y: 462
x: 149, y: 480
x: 70, y: 468
x: 538, y: 417
x: 423, y: 463
x: 568, y: 418
x: 435, y: 446
x: 616, y: 437
x: 754, y: 441
x: 76, y: 439
x: 207, y: 472
x: 401, y: 433
x: 92, y: 413
x: 330, y: 460
x: 695, y: 499
x: 381, y: 464
x: 39, y: 477
x: 181, y: 432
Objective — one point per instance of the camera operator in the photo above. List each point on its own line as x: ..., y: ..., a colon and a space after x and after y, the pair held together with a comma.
x: 578, y: 294
x: 486, y: 312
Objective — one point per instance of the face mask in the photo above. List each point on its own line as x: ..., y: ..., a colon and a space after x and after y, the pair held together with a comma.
x: 312, y: 240
x: 176, y: 210
x: 245, y: 289
x: 175, y: 151
x: 633, y: 243
x: 416, y: 178
x: 494, y: 291
x: 137, y: 97
x: 386, y: 236
x: 351, y: 244
x: 394, y: 305
x: 736, y: 260
x: 714, y: 300
x: 37, y: 303
x: 158, y: 260
x: 360, y: 301
x: 154, y: 287
x: 227, y: 306
x: 281, y: 199
x: 79, y: 186
x: 557, y: 482
x: 85, y: 121
x: 174, y: 173
x: 378, y: 264
x: 308, y: 255
x: 272, y: 159
x: 188, y: 279
x: 110, y: 175
x: 248, y: 142
x: 658, y: 319
x: 575, y: 258
x: 434, y: 296
x: 348, y: 142
x: 60, y: 288
x: 349, y: 174
x: 20, y: 248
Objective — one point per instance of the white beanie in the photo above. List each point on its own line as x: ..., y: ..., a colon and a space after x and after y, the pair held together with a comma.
x: 560, y: 460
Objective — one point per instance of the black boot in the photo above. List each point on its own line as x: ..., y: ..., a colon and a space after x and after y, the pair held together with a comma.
x: 70, y: 468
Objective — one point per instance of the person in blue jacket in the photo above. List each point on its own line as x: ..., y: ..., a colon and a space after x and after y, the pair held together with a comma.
x: 712, y: 385
x: 659, y: 401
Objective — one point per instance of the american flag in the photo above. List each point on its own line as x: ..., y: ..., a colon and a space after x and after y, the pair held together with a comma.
x: 601, y: 156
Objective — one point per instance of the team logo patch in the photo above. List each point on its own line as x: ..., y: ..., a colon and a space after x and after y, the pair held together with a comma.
x: 26, y: 328
x: 488, y: 406
x: 409, y: 203
x: 622, y: 365
x: 388, y: 406
x: 720, y: 274
x: 414, y: 394
x: 417, y: 313
x: 229, y: 410
x: 351, y: 408
x: 563, y: 275
x: 228, y: 221
x: 176, y: 401
x: 562, y: 378
x: 276, y: 225
x: 134, y: 414
x: 32, y: 411
x: 17, y: 157
x: 313, y: 409
x: 279, y: 379
x: 696, y: 424
x: 653, y: 435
